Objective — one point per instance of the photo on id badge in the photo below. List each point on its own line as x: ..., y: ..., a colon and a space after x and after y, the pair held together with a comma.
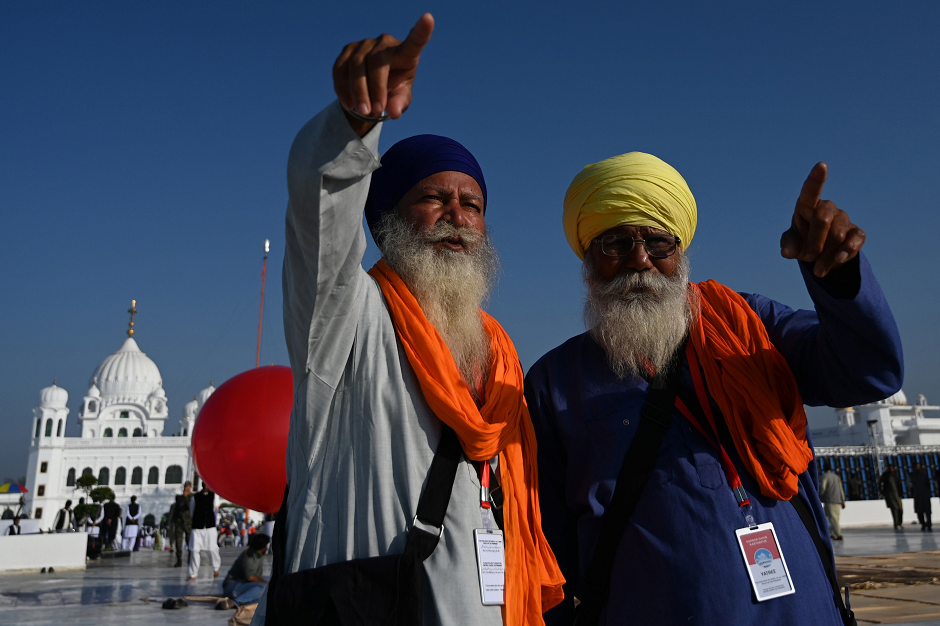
x: 766, y: 566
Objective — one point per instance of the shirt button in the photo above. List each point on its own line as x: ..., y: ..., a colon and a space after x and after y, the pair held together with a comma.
x: 626, y: 422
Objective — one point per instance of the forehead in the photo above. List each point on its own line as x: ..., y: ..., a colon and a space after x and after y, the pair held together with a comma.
x: 449, y: 182
x: 635, y: 231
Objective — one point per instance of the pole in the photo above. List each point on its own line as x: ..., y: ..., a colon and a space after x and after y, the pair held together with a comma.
x: 264, y: 267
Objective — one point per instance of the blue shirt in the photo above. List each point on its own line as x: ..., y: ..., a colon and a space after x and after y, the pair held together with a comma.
x: 678, y: 561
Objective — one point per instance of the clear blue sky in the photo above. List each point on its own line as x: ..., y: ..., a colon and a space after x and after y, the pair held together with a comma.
x: 143, y: 151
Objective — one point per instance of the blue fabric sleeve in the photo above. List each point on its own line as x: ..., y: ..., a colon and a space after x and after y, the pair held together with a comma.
x: 846, y: 352
x: 558, y: 522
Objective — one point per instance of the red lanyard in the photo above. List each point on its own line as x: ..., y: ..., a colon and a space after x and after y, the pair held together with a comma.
x: 734, y: 480
x: 484, y: 484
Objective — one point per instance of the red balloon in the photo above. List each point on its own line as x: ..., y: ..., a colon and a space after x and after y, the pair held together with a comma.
x: 240, y: 437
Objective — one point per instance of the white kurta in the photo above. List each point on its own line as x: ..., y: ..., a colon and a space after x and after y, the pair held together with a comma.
x: 362, y: 436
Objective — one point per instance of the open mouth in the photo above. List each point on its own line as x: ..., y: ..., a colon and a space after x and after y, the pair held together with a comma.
x: 453, y: 243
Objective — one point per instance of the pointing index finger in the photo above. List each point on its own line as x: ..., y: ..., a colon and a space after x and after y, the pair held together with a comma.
x: 419, y: 37
x: 812, y: 190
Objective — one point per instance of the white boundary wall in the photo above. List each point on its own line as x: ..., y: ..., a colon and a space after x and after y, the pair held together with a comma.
x: 64, y: 551
x: 875, y: 513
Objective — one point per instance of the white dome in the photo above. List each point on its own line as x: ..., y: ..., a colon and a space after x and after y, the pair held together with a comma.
x: 93, y: 391
x: 53, y: 397
x: 191, y: 408
x: 898, y: 399
x: 204, y: 395
x: 128, y: 373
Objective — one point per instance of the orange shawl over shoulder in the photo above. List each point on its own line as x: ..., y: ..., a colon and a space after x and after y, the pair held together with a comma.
x: 754, y: 387
x: 502, y: 426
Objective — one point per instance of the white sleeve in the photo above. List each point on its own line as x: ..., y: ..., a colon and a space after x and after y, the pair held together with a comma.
x: 328, y: 176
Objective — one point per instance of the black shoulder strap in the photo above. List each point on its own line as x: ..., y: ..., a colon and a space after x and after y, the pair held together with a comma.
x: 432, y: 507
x: 845, y: 610
x: 634, y: 474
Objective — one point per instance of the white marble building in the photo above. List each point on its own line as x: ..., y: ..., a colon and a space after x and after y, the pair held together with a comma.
x: 889, y: 422
x: 123, y: 441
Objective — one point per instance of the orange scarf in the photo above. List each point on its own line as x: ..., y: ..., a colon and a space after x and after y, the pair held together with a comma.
x: 754, y: 387
x: 502, y: 426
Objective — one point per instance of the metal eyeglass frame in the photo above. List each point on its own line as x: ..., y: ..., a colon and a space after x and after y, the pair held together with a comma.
x: 636, y: 240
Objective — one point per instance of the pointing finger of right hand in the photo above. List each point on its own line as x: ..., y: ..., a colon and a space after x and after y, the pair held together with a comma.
x: 812, y: 190
x: 419, y: 37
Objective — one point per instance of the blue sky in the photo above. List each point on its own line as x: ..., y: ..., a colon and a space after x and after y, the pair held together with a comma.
x: 143, y: 151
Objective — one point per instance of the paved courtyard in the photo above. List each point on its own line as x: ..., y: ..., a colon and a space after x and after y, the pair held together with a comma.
x: 893, y: 574
x: 113, y: 591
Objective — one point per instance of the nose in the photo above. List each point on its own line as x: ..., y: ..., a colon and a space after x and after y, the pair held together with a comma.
x: 638, y: 259
x: 455, y: 213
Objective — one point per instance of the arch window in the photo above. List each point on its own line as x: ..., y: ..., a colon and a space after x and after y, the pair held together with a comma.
x: 58, y: 429
x: 87, y: 472
x: 137, y: 476
x: 184, y: 432
x: 70, y: 479
x: 92, y: 406
x: 138, y: 432
x: 38, y: 427
x: 48, y: 428
x: 122, y: 432
x: 108, y: 433
x: 125, y: 415
x: 120, y: 476
x: 153, y: 476
x: 104, y: 476
x: 174, y: 475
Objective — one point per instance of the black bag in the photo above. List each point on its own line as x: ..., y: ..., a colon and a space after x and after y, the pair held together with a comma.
x: 383, y: 590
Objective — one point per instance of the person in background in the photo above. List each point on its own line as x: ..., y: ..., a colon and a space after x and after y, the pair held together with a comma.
x: 204, y: 535
x: 890, y: 486
x: 181, y: 521
x: 131, y: 526
x: 14, y: 528
x: 244, y: 582
x: 832, y: 496
x: 921, y: 488
x: 64, y: 519
x: 855, y: 487
x: 112, y: 516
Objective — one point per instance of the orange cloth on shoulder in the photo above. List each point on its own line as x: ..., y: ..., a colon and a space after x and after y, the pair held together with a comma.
x: 754, y: 387
x: 502, y: 426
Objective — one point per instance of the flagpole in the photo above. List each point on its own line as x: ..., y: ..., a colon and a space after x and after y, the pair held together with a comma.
x: 264, y: 267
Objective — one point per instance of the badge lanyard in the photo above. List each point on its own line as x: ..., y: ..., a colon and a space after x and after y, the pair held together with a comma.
x: 490, y: 547
x: 485, y: 507
x: 734, y: 480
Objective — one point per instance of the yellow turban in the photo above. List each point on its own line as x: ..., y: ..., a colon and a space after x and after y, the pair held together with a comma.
x: 636, y: 189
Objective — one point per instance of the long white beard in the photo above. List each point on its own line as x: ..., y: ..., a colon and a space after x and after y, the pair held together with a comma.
x: 451, y: 287
x: 635, y: 326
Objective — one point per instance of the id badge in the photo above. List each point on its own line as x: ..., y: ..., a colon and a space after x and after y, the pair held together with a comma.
x: 766, y: 566
x: 491, y: 564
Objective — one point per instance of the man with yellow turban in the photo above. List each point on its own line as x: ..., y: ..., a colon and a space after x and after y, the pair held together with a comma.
x: 675, y: 467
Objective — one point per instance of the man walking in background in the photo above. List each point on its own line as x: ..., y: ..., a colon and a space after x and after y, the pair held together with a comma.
x: 920, y: 484
x: 832, y: 496
x: 65, y: 518
x: 204, y: 535
x: 181, y: 521
x: 890, y: 486
x: 131, y: 525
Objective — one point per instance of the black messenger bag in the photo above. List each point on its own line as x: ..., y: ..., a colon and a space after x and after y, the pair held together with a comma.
x: 383, y: 590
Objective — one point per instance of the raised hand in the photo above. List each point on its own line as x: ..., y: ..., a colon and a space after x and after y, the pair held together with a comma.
x: 820, y: 232
x: 376, y: 75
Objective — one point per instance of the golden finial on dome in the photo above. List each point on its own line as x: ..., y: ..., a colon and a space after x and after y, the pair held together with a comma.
x: 54, y: 381
x: 133, y: 312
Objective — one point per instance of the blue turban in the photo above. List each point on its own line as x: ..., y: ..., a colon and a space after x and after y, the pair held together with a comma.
x: 410, y: 161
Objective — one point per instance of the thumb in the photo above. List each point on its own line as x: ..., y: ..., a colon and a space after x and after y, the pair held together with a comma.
x: 791, y: 242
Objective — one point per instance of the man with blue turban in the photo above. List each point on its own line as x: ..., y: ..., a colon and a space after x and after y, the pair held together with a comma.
x: 392, y: 366
x: 675, y: 464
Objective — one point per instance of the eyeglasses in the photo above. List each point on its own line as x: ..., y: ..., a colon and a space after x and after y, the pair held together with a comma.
x: 657, y: 246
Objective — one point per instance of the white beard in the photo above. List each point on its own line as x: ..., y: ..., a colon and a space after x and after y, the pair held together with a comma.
x: 634, y: 326
x: 451, y: 287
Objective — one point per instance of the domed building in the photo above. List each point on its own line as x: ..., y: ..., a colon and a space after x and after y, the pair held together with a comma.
x: 888, y: 422
x: 123, y: 440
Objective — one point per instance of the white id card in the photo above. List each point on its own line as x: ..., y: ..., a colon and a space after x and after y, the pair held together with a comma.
x: 765, y: 563
x: 491, y: 564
